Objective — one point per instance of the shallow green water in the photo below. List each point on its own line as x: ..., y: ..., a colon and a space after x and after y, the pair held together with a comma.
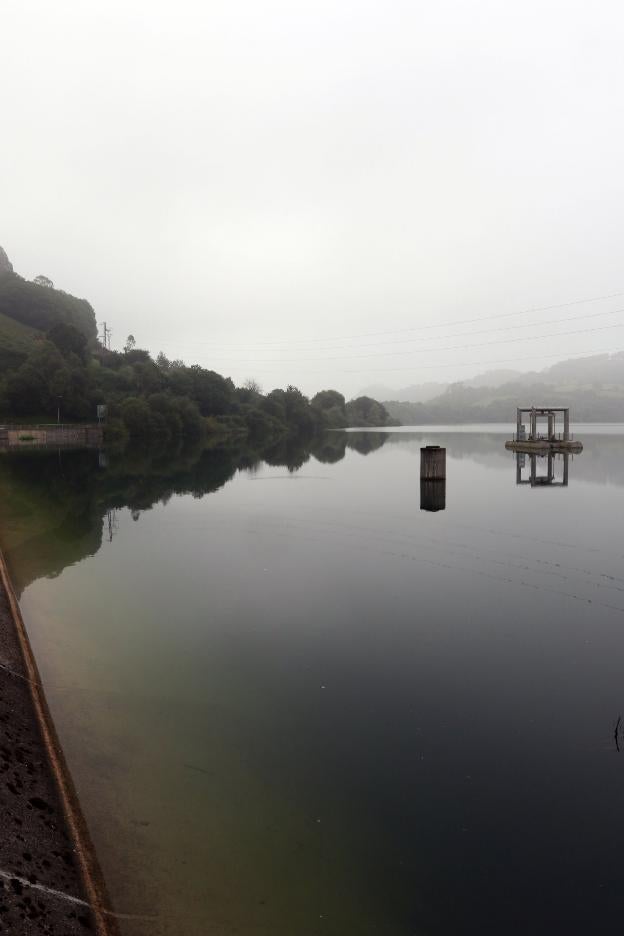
x: 294, y: 702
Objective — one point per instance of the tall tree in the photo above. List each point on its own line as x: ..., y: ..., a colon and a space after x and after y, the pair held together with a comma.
x: 43, y: 281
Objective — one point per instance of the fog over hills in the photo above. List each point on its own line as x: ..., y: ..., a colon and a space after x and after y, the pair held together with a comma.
x: 592, y: 386
x: 421, y: 392
x: 599, y: 368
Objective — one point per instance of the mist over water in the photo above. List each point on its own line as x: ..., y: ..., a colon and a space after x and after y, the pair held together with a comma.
x: 294, y: 702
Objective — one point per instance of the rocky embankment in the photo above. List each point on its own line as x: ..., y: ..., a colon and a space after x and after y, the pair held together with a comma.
x: 5, y: 264
x: 48, y: 877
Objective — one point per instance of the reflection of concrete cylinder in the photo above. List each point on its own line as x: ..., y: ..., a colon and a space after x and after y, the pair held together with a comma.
x: 432, y: 463
x: 433, y: 495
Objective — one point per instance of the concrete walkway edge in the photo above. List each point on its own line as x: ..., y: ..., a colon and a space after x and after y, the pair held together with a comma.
x: 91, y: 875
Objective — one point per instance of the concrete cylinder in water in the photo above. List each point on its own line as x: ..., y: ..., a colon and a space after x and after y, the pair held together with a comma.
x: 432, y: 463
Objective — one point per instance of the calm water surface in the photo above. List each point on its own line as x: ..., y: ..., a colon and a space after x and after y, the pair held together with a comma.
x: 294, y: 703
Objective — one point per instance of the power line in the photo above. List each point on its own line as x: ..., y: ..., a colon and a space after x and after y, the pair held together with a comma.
x: 484, y: 331
x: 485, y: 318
x: 463, y: 347
x: 107, y: 336
x: 481, y: 318
x: 522, y: 360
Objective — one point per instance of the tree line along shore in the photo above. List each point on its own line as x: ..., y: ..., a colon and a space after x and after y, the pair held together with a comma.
x: 53, y: 366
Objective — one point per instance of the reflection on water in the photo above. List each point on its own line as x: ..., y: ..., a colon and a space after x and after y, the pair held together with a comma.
x: 55, y: 500
x: 294, y: 702
x: 433, y: 495
x: 542, y: 469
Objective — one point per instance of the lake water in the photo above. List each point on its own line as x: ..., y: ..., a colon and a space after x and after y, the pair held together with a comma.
x: 294, y: 703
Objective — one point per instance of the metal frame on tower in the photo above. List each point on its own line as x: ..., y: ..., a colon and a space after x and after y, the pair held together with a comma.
x: 550, y: 413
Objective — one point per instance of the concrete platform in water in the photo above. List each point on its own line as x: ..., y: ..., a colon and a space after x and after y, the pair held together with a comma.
x: 534, y: 442
x: 543, y: 446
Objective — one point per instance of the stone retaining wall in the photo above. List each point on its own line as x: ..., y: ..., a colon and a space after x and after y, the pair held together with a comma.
x: 64, y: 434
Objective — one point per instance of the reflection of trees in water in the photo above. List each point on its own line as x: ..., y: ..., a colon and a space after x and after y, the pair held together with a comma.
x: 293, y: 452
x: 332, y: 447
x: 289, y: 452
x: 57, y: 506
x: 366, y: 442
x: 329, y: 448
x: 67, y: 500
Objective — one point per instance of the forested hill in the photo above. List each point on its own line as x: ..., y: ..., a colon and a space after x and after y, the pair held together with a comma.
x: 28, y: 310
x: 39, y: 305
x: 51, y: 360
x: 593, y: 387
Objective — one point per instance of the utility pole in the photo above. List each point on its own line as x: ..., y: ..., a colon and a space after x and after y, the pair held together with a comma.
x: 107, y: 336
x: 111, y: 517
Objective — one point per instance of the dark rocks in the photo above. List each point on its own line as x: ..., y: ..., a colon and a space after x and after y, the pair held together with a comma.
x: 41, y: 888
x: 5, y: 264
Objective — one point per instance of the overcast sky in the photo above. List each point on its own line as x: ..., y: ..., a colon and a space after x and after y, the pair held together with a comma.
x: 262, y: 186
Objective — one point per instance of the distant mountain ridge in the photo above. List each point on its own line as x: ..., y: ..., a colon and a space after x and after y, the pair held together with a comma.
x: 420, y: 393
x: 593, y: 387
x: 598, y: 368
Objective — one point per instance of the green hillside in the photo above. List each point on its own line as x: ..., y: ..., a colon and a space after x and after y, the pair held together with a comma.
x: 52, y: 364
x: 42, y: 307
x: 16, y: 341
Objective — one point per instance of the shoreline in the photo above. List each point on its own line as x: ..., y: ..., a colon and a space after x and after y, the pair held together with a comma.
x: 49, y: 872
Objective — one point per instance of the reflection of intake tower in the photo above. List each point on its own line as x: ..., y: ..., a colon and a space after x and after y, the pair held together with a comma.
x: 541, y: 480
x: 432, y: 478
